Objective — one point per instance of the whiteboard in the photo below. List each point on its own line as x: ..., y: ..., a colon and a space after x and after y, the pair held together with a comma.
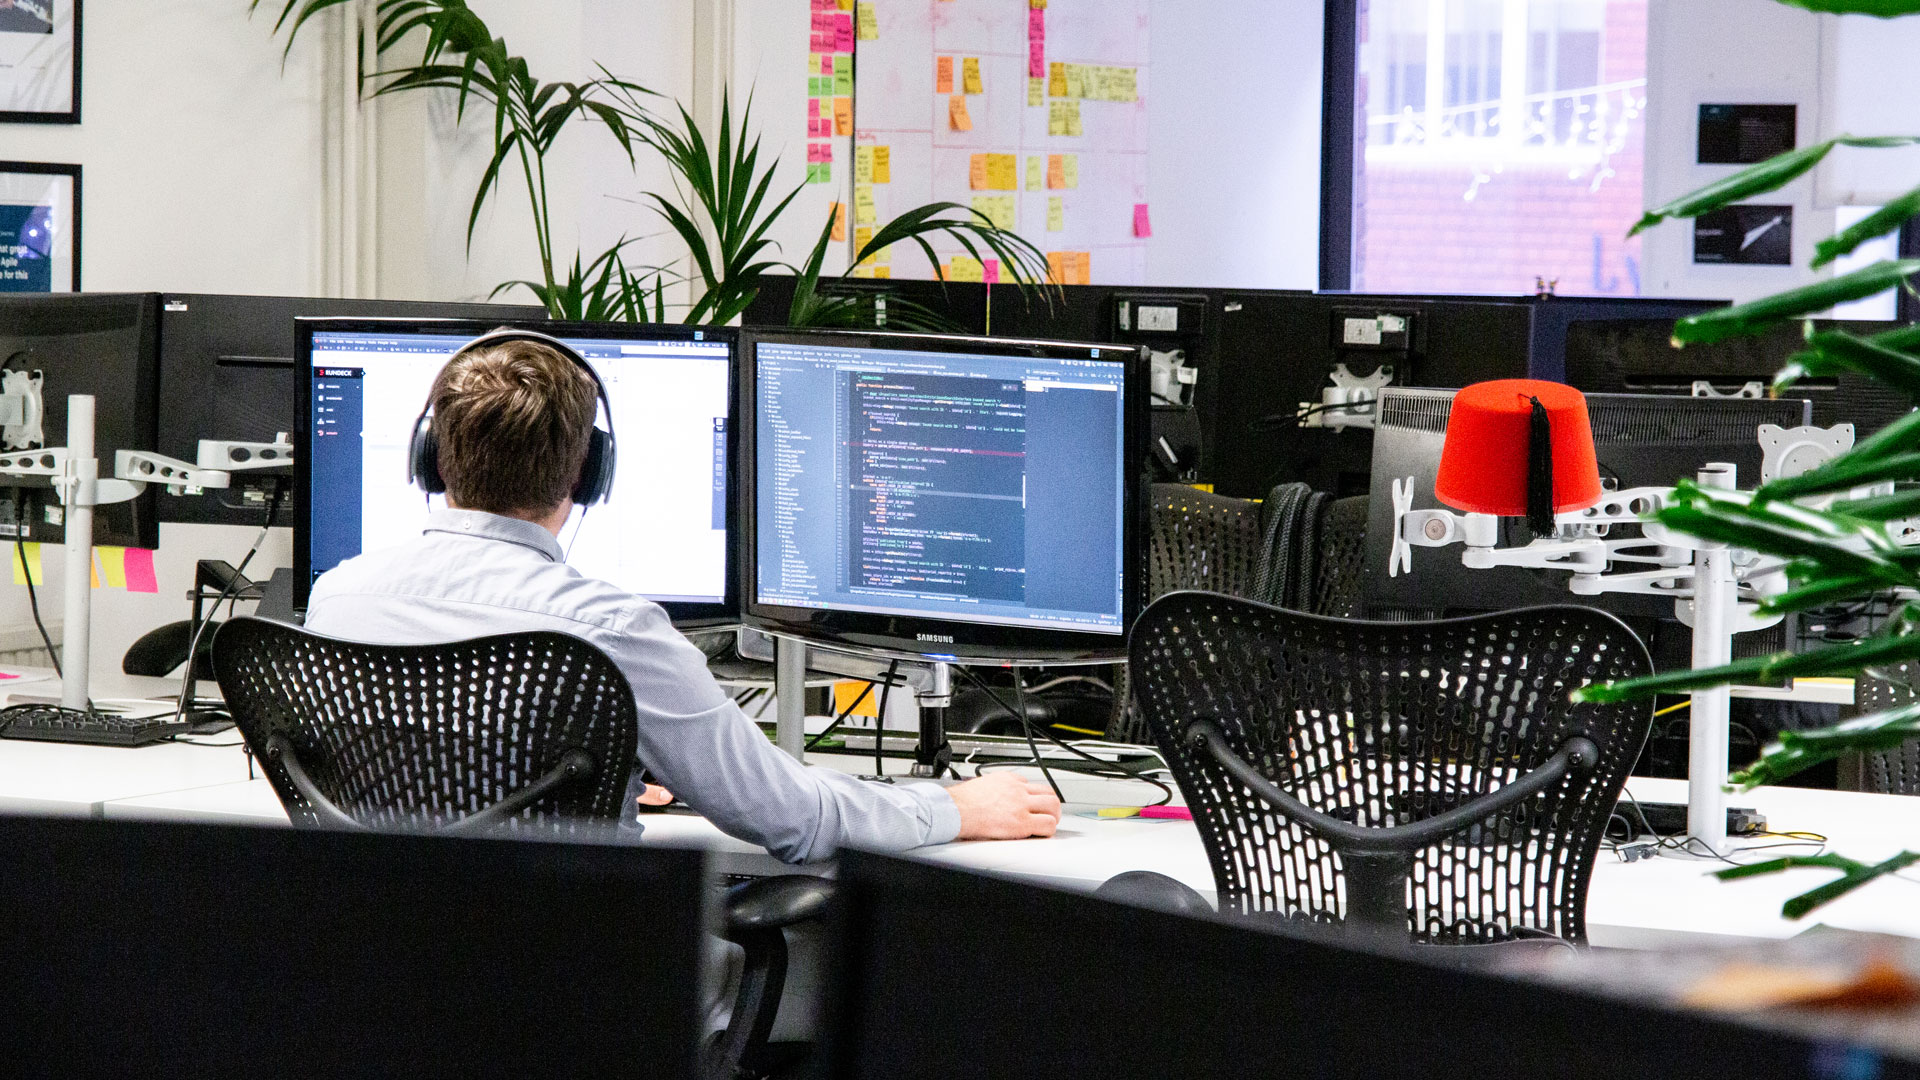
x: 899, y: 105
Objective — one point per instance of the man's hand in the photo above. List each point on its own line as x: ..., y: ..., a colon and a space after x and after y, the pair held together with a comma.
x: 1002, y: 806
x: 654, y: 795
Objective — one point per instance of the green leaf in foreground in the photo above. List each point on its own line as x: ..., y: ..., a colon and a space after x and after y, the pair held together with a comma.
x: 1879, y: 223
x: 1722, y: 324
x: 1885, y: 9
x: 1832, y: 660
x: 1854, y: 874
x: 1769, y: 175
x: 1797, y: 751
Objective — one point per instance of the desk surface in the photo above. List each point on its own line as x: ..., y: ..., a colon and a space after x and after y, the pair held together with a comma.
x: 1654, y: 902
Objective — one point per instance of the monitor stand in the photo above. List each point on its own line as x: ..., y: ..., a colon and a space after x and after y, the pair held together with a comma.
x: 931, y: 681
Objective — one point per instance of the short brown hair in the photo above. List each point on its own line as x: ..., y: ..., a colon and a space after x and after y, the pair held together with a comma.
x: 512, y: 422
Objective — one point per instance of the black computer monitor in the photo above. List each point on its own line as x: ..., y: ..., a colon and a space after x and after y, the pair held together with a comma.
x: 944, y: 497
x: 227, y: 371
x: 1641, y: 440
x: 1636, y: 356
x: 665, y: 532
x: 206, y: 950
x: 936, y: 967
x: 103, y: 344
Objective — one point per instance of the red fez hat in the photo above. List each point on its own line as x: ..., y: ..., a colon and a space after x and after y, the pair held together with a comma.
x: 1519, y: 447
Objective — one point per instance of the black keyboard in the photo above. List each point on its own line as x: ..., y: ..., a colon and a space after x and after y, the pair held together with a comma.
x: 47, y: 723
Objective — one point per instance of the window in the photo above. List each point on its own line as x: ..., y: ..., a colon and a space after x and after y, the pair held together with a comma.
x: 1500, y: 141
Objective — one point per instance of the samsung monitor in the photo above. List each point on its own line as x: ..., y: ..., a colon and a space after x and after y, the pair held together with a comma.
x: 664, y: 531
x: 227, y: 372
x: 945, y: 497
x: 56, y: 345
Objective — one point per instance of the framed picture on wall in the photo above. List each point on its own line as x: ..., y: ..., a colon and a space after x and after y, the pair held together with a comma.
x: 40, y: 61
x: 39, y: 227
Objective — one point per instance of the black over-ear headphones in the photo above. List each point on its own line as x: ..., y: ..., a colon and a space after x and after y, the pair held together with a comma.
x: 596, y: 475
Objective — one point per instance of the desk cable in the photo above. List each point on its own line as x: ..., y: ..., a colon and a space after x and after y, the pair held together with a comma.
x: 239, y: 574
x: 1633, y: 849
x: 1106, y: 769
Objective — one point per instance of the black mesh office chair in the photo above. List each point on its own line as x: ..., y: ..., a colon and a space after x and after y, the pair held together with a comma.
x: 1343, y: 558
x: 1429, y: 780
x: 1895, y: 771
x: 529, y: 732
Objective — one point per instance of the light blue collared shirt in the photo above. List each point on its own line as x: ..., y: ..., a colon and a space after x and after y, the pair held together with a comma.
x: 472, y: 574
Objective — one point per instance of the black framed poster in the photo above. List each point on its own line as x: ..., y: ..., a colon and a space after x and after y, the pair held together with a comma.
x: 40, y: 61
x: 39, y: 227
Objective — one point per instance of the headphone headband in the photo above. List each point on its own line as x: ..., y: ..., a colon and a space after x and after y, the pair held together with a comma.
x: 596, y: 473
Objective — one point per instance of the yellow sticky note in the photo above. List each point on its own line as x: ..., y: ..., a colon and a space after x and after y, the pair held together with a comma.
x: 943, y: 75
x: 883, y: 271
x: 882, y: 165
x: 998, y: 209
x: 30, y: 570
x: 862, y: 236
x: 1076, y: 81
x: 1036, y: 172
x: 844, y: 5
x: 113, y: 562
x: 1036, y: 91
x: 1003, y: 172
x: 1070, y: 170
x: 855, y: 699
x: 970, y: 76
x: 1063, y: 116
x: 866, y: 25
x: 863, y: 164
x: 1056, y: 214
x: 957, y: 116
x: 839, y: 222
x: 1057, y: 79
x: 813, y: 63
x: 843, y: 116
x: 863, y: 209
x: 962, y: 268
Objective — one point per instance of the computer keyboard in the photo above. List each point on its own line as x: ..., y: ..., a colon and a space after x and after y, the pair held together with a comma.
x: 47, y: 723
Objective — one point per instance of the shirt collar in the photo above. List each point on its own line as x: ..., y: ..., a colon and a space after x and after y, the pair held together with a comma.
x: 495, y: 527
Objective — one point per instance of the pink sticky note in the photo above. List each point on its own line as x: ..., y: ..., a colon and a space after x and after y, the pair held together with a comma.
x: 826, y: 64
x: 7, y: 675
x: 990, y: 271
x: 1037, y: 24
x: 1141, y: 225
x: 140, y: 571
x: 1037, y: 60
x: 817, y: 152
x: 843, y: 32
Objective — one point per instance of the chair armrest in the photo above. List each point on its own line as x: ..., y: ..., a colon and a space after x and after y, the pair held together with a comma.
x: 773, y: 903
x: 1577, y: 754
x: 280, y: 752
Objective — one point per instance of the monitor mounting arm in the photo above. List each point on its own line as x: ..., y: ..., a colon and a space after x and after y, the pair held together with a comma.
x: 218, y: 461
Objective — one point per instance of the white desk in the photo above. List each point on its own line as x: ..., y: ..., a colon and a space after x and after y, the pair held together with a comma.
x: 1657, y: 902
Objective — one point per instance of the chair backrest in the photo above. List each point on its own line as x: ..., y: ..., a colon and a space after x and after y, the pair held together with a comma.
x: 1388, y: 723
x: 1343, y: 557
x: 1200, y: 540
x: 422, y: 735
x: 1895, y: 771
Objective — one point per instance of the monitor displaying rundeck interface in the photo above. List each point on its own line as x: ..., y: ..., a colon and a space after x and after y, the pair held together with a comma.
x: 947, y: 495
x: 662, y: 533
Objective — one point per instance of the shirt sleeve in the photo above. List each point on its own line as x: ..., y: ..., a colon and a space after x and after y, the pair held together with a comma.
x: 697, y: 742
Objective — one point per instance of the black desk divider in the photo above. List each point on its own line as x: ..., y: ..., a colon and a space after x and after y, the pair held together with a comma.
x: 945, y: 973
x: 152, y: 949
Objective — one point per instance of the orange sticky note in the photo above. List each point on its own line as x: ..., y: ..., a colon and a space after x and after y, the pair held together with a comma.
x: 1080, y: 271
x: 1056, y: 171
x: 839, y: 222
x: 977, y: 172
x: 970, y: 75
x: 1057, y: 267
x: 957, y: 113
x: 943, y: 75
x: 843, y: 116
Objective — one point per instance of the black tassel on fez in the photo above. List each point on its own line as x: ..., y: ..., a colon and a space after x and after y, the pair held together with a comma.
x: 1540, y: 472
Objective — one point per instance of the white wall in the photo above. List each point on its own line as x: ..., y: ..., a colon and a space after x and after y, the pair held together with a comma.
x: 202, y: 158
x: 1235, y: 143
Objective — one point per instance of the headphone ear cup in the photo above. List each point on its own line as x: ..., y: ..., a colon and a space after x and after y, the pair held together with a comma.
x: 423, y: 458
x: 596, y: 473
